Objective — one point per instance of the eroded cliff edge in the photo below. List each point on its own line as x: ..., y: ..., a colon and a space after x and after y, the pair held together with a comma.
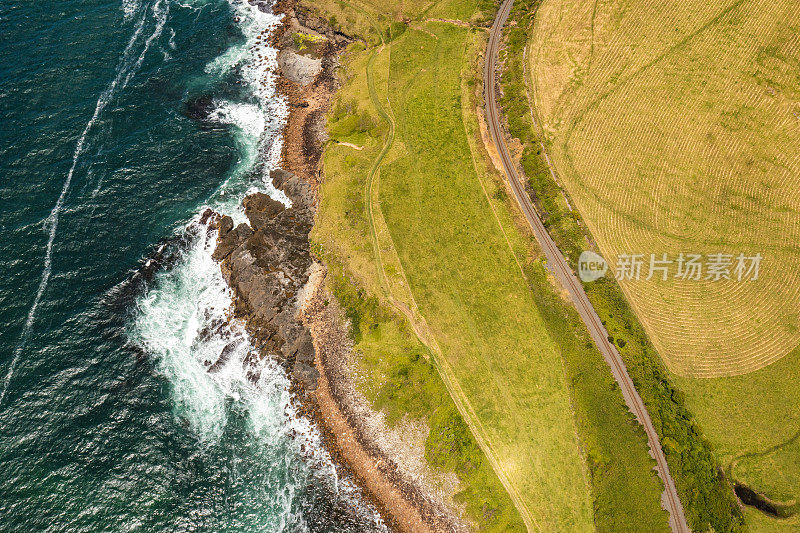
x: 279, y: 293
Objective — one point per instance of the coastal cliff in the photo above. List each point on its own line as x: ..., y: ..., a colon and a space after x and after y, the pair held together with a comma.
x: 280, y: 293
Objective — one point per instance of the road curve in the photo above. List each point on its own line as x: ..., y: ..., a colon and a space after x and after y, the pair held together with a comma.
x: 563, y: 272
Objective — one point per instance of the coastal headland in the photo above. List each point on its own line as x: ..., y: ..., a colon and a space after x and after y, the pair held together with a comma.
x: 279, y: 291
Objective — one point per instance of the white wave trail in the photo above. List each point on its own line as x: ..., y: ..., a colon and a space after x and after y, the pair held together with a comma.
x: 259, y: 118
x: 129, y: 7
x: 125, y: 70
x: 160, y: 12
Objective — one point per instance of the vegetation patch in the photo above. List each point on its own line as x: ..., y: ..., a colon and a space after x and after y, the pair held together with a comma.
x: 746, y: 417
x: 752, y: 422
x: 468, y: 285
x: 400, y: 380
x: 304, y: 40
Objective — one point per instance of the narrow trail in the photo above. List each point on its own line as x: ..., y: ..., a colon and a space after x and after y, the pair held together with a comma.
x: 387, y: 145
x: 371, y: 177
x: 370, y: 189
x: 563, y: 272
x: 414, y: 317
x: 417, y: 320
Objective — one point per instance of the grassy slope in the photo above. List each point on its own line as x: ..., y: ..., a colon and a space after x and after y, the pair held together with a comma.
x: 743, y: 416
x: 624, y: 487
x: 469, y: 287
x: 398, y: 375
x: 398, y: 378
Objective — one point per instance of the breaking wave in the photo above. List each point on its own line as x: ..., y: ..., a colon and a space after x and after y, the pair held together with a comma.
x: 219, y: 386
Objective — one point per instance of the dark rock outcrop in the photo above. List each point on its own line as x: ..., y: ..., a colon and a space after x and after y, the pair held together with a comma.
x: 266, y: 263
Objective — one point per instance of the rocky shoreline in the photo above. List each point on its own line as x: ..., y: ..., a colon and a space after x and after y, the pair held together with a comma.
x: 266, y: 264
x: 389, y: 462
x: 279, y: 293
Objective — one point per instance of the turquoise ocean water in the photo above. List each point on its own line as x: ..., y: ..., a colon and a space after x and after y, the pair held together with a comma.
x: 121, y: 122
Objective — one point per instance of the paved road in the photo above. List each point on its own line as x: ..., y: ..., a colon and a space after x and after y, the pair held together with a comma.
x: 559, y: 266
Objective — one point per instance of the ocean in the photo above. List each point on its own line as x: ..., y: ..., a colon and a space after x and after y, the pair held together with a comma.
x: 121, y: 122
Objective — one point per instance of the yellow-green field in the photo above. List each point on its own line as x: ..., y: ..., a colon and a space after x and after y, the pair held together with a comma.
x: 752, y: 421
x: 422, y: 236
x: 675, y: 128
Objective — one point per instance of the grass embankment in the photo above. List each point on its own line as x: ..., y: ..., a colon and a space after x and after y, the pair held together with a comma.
x: 747, y: 418
x: 450, y: 251
x: 399, y: 379
x: 398, y: 375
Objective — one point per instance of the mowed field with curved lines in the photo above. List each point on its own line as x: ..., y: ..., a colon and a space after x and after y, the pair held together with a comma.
x: 675, y: 128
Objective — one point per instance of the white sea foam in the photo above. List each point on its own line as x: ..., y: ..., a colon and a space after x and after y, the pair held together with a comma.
x: 127, y: 67
x: 183, y: 320
x: 169, y: 322
x: 250, y: 123
x: 160, y: 13
x: 129, y: 8
x: 259, y: 120
x: 248, y: 117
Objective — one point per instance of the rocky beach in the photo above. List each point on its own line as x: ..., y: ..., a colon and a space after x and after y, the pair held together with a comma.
x: 279, y: 292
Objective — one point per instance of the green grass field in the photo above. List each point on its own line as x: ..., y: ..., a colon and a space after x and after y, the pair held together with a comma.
x: 675, y: 128
x: 468, y: 286
x: 454, y: 267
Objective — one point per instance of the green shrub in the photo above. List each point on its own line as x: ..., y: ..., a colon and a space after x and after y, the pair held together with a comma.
x: 395, y: 30
x: 303, y: 40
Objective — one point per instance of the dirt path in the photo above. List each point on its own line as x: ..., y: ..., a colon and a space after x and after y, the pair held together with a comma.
x: 561, y: 268
x: 350, y: 145
x: 459, y: 23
